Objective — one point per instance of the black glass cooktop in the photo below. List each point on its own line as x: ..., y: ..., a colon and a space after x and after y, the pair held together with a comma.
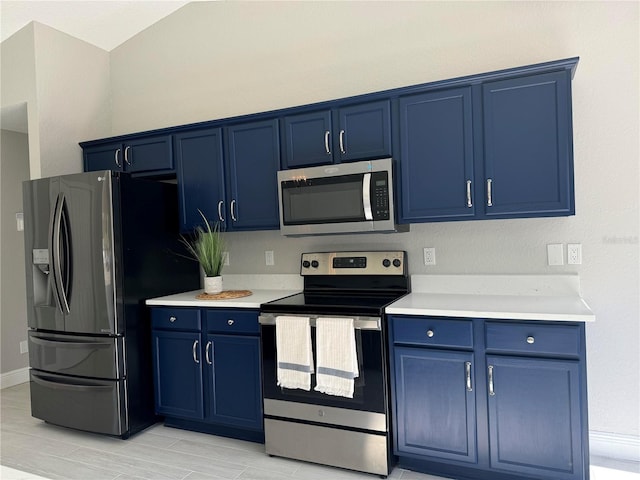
x: 331, y: 303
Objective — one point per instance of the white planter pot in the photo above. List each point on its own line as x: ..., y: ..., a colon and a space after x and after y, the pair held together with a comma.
x: 213, y: 285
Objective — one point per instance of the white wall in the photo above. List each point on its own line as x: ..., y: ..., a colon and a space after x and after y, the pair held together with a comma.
x: 217, y: 59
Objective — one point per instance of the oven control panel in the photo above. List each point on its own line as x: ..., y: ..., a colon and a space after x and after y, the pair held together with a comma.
x: 388, y: 262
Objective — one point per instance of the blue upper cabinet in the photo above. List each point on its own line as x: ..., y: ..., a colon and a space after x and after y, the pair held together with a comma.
x: 528, y: 150
x: 253, y: 160
x: 350, y: 133
x: 235, y: 185
x: 149, y: 155
x: 436, y: 146
x: 200, y: 175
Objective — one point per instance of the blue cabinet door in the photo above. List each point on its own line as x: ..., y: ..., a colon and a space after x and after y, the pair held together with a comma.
x: 436, y: 159
x: 364, y: 131
x: 534, y: 417
x: 528, y: 150
x: 253, y: 161
x: 308, y: 139
x: 148, y: 154
x: 200, y: 175
x: 435, y: 404
x: 104, y: 157
x: 233, y: 369
x: 177, y: 370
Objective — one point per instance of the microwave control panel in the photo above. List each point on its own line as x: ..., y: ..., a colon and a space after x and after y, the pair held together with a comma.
x: 380, y: 196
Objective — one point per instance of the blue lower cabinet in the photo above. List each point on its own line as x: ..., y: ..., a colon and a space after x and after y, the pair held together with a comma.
x: 435, y: 403
x: 514, y: 408
x: 208, y: 379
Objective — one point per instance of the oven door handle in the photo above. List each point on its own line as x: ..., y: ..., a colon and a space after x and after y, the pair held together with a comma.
x: 359, y: 323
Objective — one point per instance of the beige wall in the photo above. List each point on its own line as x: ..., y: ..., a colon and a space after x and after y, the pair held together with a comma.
x: 14, y: 169
x: 217, y: 59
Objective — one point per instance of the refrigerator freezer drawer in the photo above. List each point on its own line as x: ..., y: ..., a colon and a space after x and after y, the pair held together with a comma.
x: 94, y: 405
x: 96, y: 357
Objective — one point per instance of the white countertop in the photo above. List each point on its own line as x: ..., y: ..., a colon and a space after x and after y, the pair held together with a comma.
x: 515, y: 297
x: 264, y: 288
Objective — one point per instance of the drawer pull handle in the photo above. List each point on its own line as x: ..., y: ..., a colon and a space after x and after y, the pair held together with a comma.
x: 530, y: 340
x: 172, y: 319
x: 193, y: 351
x: 206, y: 353
x: 491, y: 390
x: 230, y: 322
x: 430, y: 333
x: 467, y: 368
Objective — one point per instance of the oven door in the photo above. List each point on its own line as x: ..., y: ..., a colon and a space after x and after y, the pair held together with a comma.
x: 370, y: 386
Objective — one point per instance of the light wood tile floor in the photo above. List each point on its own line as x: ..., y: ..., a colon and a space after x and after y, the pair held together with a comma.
x: 31, y: 449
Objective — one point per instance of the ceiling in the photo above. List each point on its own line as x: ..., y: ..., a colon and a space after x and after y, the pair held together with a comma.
x: 105, y: 24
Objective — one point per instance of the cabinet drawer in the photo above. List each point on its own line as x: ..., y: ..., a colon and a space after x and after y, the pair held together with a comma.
x: 429, y: 331
x: 232, y: 321
x: 533, y: 338
x: 175, y: 318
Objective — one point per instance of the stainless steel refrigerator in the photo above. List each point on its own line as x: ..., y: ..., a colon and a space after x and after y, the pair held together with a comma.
x: 98, y: 244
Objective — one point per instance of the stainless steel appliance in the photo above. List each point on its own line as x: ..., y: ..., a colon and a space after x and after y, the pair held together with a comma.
x: 351, y: 433
x: 343, y: 198
x: 96, y: 245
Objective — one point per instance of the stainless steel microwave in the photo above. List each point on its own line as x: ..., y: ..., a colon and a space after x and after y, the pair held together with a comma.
x: 344, y: 198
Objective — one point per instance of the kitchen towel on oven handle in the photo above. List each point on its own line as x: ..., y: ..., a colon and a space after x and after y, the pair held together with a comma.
x: 337, y: 358
x: 293, y: 352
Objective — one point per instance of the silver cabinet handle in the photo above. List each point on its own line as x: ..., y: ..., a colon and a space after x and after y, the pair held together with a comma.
x: 230, y: 322
x: 489, y: 195
x: 430, y: 333
x: 467, y: 369
x: 469, y: 202
x: 341, y: 138
x: 127, y: 160
x: 116, y: 158
x: 530, y: 340
x: 193, y: 351
x: 220, y: 205
x: 326, y: 142
x: 491, y: 391
x: 233, y: 210
x: 206, y: 353
x: 172, y: 319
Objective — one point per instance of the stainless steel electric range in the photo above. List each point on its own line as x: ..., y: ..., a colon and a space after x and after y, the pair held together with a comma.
x: 352, y: 433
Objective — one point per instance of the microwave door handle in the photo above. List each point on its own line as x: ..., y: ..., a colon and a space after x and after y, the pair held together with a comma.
x: 366, y: 196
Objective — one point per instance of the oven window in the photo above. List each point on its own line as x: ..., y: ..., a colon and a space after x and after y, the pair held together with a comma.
x: 323, y: 200
x: 369, y: 388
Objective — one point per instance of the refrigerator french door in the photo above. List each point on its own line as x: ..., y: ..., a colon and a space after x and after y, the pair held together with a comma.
x: 97, y: 244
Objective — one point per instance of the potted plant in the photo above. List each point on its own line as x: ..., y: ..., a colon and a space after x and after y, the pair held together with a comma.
x: 207, y: 247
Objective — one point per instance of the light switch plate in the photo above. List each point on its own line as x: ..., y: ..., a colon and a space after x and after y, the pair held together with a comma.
x: 555, y: 254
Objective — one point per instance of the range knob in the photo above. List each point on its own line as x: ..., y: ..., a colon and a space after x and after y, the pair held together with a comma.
x: 386, y: 263
x: 306, y: 264
x: 397, y: 263
x: 314, y: 263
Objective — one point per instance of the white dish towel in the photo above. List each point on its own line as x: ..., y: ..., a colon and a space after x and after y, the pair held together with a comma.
x: 293, y: 352
x: 336, y: 356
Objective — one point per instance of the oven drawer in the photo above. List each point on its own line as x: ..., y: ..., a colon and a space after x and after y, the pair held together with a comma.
x: 434, y: 332
x: 232, y: 321
x: 175, y: 318
x: 533, y: 338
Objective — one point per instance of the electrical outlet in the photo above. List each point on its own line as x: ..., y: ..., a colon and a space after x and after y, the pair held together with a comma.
x: 555, y: 254
x: 574, y: 253
x: 24, y: 347
x: 268, y: 257
x: 225, y: 258
x: 429, y: 255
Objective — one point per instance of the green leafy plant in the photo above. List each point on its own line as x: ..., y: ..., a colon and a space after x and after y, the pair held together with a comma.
x: 207, y: 247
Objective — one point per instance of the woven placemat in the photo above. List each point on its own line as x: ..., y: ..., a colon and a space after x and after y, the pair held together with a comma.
x: 224, y: 295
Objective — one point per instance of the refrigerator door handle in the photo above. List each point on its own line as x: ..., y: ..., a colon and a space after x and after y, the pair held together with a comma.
x: 54, y: 248
x: 60, y: 239
x: 69, y: 386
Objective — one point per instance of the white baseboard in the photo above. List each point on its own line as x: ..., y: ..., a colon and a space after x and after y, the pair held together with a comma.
x: 14, y: 377
x: 615, y: 446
